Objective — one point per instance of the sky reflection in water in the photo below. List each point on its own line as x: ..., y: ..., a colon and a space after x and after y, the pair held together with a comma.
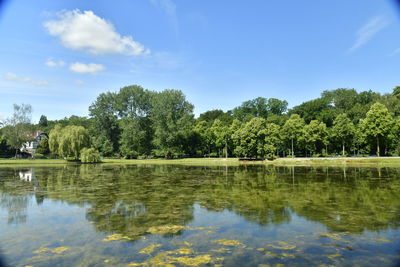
x: 193, y: 216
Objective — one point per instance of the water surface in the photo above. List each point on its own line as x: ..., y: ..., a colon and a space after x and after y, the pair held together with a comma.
x: 140, y: 215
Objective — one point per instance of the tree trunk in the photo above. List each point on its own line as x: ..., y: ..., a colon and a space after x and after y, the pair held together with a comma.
x: 343, y: 147
x: 377, y: 146
x: 292, y: 149
x: 226, y: 150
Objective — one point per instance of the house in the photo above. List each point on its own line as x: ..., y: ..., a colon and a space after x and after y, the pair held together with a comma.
x: 30, y: 146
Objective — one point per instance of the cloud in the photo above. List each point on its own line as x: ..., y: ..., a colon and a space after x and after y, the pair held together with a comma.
x: 14, y: 77
x: 91, y: 68
x: 169, y: 8
x: 87, y: 31
x: 369, y: 30
x: 52, y: 63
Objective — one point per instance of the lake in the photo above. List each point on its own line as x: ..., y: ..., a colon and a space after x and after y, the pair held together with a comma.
x: 165, y: 215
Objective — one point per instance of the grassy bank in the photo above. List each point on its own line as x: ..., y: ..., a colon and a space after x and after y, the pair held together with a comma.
x: 350, y: 162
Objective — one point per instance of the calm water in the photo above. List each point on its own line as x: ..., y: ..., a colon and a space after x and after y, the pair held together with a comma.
x: 199, y: 216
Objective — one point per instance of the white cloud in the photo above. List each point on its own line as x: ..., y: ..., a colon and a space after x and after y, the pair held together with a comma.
x: 169, y: 8
x: 14, y: 77
x: 91, y: 68
x: 52, y: 63
x: 369, y: 30
x: 87, y: 31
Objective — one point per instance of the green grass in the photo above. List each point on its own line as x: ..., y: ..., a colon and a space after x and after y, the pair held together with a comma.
x: 350, y: 162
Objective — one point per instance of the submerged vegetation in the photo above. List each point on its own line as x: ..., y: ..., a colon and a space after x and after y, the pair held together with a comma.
x: 139, y: 123
x: 163, y: 215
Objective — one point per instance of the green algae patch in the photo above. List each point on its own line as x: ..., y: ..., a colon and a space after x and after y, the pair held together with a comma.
x: 227, y: 242
x: 149, y: 249
x: 331, y: 236
x: 165, y: 229
x: 184, y: 251
x: 116, y: 237
x: 333, y: 256
x: 283, y: 245
x: 170, y: 258
x: 57, y: 250
x: 193, y: 261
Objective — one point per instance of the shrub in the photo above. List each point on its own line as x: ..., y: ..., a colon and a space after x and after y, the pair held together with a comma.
x: 39, y: 156
x: 90, y: 155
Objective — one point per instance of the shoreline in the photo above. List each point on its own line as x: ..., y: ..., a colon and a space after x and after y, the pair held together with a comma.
x: 317, y: 162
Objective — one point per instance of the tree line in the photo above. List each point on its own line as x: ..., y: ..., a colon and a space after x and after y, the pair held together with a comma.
x: 139, y: 123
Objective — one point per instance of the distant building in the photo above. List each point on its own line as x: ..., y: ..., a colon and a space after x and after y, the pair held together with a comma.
x: 31, y: 146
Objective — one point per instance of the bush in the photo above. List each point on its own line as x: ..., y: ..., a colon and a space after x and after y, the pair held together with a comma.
x: 39, y: 156
x: 131, y: 155
x: 90, y: 155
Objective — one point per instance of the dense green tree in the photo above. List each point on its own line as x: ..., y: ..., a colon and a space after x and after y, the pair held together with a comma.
x: 250, y: 139
x: 343, y: 130
x: 222, y: 135
x: 105, y: 129
x: 43, y: 121
x: 293, y: 130
x: 320, y: 109
x: 90, y: 155
x: 377, y: 124
x: 206, y: 141
x: 272, y: 133
x: 259, y: 107
x: 134, y: 102
x: 315, y: 136
x: 54, y: 139
x: 211, y: 115
x: 5, y: 149
x: 43, y: 147
x: 69, y: 141
x: 172, y: 117
x: 136, y: 137
x: 18, y: 126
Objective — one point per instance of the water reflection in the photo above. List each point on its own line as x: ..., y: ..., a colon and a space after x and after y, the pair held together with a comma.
x: 128, y: 203
x: 130, y: 199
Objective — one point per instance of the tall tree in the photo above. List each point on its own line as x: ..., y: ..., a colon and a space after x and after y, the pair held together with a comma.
x: 377, y: 124
x: 172, y: 117
x: 293, y: 130
x: 105, y: 129
x: 43, y: 121
x: 222, y: 136
x: 272, y: 139
x: 343, y: 130
x: 315, y: 135
x: 69, y: 141
x: 250, y: 139
x: 18, y: 126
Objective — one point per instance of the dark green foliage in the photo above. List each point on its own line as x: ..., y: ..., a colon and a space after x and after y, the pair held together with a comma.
x: 43, y: 147
x: 259, y: 107
x: 43, y: 121
x: 172, y: 118
x: 212, y: 115
x: 136, y: 122
x: 5, y: 150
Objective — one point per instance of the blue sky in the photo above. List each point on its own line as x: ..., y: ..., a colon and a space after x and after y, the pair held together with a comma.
x: 59, y: 55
